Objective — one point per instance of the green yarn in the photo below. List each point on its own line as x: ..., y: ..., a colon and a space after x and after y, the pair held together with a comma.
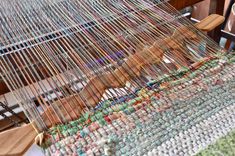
x: 98, y: 115
x: 74, y: 123
x: 121, y: 107
x: 93, y: 118
x: 131, y: 102
x: 105, y: 111
x: 65, y: 127
x: 106, y: 104
x: 81, y: 120
x: 102, y: 122
x: 80, y: 127
x: 65, y: 133
x: 72, y: 131
x: 110, y: 110
x: 86, y: 116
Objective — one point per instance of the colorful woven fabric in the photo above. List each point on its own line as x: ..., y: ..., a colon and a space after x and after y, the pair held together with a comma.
x: 181, y: 114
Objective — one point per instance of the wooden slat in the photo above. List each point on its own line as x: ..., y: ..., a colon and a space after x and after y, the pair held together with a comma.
x: 16, y: 141
x: 210, y: 22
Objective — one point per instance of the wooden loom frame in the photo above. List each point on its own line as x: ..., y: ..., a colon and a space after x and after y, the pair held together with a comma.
x: 18, y: 140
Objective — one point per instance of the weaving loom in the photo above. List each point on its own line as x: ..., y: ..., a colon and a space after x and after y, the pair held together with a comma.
x: 115, y: 77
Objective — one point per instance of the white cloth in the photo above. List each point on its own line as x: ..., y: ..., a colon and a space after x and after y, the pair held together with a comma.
x: 34, y: 150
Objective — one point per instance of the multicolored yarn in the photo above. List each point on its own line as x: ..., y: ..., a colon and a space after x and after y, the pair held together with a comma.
x: 180, y: 114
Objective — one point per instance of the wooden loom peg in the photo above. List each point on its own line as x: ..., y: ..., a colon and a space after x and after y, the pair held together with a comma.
x: 210, y: 22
